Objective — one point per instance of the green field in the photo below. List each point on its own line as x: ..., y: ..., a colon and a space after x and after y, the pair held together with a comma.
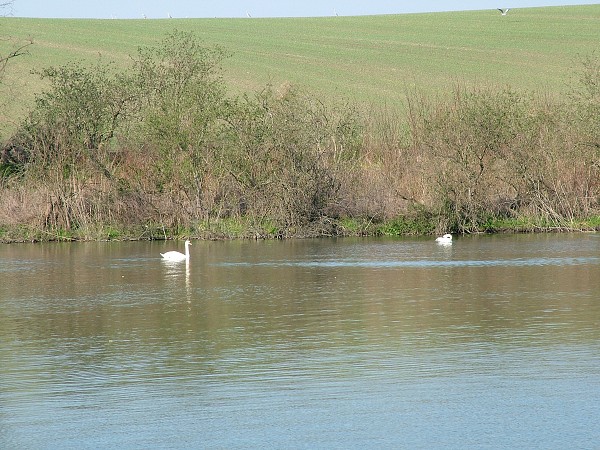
x: 371, y: 59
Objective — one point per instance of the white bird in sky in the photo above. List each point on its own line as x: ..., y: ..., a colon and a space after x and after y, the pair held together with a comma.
x: 178, y: 256
x: 445, y: 239
x: 504, y: 11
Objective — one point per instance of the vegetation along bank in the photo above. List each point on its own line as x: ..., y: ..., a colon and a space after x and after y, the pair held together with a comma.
x: 166, y: 146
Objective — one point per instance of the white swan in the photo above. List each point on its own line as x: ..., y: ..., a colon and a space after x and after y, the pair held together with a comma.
x: 445, y: 239
x: 178, y: 256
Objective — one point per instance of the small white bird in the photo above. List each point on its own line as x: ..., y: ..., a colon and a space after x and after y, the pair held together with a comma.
x: 178, y: 256
x: 504, y: 11
x: 445, y: 239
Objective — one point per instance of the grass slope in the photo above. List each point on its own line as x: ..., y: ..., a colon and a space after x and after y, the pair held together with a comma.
x: 371, y: 59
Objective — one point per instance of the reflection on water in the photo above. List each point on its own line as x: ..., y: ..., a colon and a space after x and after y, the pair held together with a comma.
x: 491, y: 342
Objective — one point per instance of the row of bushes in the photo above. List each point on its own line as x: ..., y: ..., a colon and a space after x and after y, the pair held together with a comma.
x: 164, y: 148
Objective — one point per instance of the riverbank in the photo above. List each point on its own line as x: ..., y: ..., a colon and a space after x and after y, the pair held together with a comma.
x: 230, y: 230
x: 166, y: 150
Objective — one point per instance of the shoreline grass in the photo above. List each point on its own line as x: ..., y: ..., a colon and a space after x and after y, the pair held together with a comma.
x: 233, y: 230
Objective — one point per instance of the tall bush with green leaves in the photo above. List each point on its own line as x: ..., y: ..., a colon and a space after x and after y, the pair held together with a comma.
x: 76, y: 117
x: 180, y: 101
x: 65, y: 142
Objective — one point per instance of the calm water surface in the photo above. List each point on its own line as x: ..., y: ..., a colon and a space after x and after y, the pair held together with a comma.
x: 493, y: 342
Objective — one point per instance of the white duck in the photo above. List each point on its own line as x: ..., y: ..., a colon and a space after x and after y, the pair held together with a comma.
x: 178, y: 256
x: 445, y: 239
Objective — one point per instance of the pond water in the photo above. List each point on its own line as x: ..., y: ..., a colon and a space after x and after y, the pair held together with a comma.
x: 492, y: 342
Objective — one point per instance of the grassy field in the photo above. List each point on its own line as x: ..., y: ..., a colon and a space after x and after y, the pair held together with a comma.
x: 371, y: 60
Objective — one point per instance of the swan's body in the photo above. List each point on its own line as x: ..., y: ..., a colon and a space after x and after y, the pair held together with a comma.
x: 504, y: 11
x: 178, y: 256
x: 445, y: 239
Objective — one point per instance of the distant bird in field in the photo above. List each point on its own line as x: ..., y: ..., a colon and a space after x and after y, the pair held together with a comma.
x: 504, y: 11
x: 170, y: 16
x: 248, y: 14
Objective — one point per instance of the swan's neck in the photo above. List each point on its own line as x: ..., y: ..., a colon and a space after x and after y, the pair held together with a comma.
x: 187, y: 250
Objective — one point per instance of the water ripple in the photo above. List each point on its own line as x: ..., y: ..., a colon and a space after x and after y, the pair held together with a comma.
x: 423, y: 263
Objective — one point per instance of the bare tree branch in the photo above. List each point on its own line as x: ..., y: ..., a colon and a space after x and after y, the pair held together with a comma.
x: 19, y: 51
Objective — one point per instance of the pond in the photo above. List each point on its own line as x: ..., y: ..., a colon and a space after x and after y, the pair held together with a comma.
x: 493, y: 341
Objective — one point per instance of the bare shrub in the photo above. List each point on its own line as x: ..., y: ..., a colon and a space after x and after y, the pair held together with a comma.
x: 284, y: 151
x: 491, y: 151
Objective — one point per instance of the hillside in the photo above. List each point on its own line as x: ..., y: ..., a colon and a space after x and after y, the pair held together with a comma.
x: 372, y: 59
